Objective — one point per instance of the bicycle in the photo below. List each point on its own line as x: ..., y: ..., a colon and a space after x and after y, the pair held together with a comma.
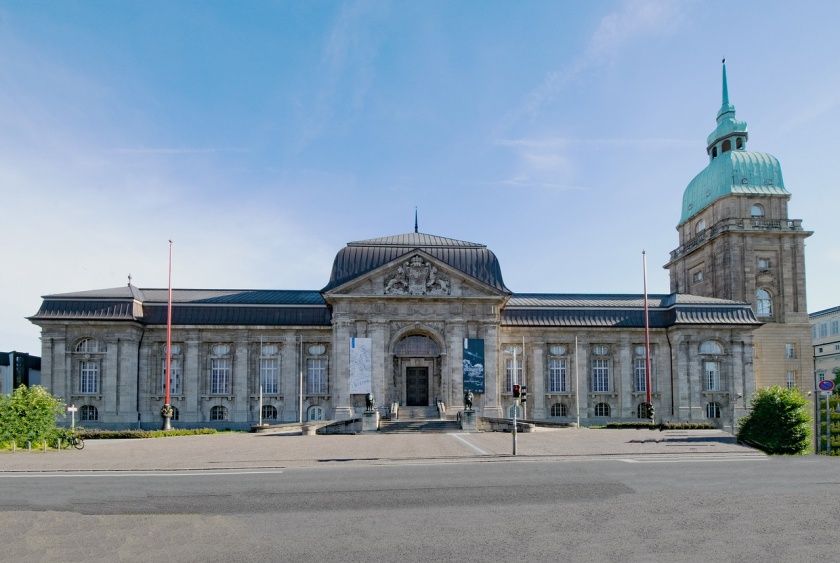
x: 75, y: 441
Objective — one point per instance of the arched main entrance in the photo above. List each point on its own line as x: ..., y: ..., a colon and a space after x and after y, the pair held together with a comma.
x: 417, y: 369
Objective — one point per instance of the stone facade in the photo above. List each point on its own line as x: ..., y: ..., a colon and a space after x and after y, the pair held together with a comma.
x: 825, y: 333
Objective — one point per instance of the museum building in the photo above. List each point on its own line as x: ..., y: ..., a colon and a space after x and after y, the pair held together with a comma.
x: 417, y: 319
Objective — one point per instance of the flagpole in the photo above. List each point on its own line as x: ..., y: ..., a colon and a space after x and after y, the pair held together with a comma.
x: 577, y: 387
x: 647, y: 340
x: 166, y: 411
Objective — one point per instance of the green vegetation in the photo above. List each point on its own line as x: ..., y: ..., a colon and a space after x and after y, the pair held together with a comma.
x: 835, y: 425
x: 663, y: 425
x: 778, y: 422
x: 97, y: 434
x: 29, y: 414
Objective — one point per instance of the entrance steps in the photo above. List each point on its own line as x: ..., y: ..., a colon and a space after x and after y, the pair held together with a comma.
x: 418, y: 419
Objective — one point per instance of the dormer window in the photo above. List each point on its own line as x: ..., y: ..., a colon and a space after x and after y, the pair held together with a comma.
x: 727, y: 146
x: 757, y: 210
x: 700, y: 226
x: 714, y: 152
x: 739, y: 143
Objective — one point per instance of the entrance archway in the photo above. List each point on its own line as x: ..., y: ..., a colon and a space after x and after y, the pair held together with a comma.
x: 417, y: 369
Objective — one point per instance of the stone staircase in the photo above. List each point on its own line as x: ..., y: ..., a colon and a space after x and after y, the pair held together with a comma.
x: 418, y: 419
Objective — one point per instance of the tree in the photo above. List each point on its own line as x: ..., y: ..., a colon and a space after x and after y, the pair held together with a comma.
x: 778, y: 422
x: 28, y: 415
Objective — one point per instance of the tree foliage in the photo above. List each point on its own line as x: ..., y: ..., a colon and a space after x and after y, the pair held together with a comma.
x: 778, y: 422
x: 28, y: 415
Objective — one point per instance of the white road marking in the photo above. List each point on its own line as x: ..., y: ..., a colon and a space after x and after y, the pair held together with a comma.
x: 197, y: 473
x: 690, y: 458
x: 470, y: 444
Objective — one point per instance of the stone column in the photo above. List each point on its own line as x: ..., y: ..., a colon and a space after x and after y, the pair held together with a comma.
x: 681, y: 377
x: 734, y: 385
x: 241, y: 400
x: 376, y: 331
x: 580, y: 387
x: 492, y: 393
x: 340, y: 371
x: 47, y: 368
x: 455, y: 334
x: 108, y: 379
x: 624, y: 384
x: 193, y: 389
x: 536, y: 389
x: 290, y: 377
x: 695, y: 381
x: 127, y: 391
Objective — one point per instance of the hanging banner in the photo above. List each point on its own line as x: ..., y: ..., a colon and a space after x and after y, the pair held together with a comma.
x: 360, y: 366
x: 474, y: 365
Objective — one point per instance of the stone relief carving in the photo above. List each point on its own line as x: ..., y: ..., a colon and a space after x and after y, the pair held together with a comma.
x: 416, y: 277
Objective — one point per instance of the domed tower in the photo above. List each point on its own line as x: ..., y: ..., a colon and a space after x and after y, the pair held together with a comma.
x: 737, y: 242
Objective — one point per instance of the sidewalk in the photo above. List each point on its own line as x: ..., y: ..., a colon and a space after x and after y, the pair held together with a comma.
x: 253, y: 451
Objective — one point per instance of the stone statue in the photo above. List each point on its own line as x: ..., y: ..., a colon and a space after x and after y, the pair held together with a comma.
x: 468, y: 401
x: 369, y: 402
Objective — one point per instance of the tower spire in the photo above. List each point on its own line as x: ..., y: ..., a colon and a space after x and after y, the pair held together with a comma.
x: 415, y: 219
x: 725, y: 101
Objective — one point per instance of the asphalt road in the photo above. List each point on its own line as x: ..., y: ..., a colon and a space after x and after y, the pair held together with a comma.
x: 663, y: 508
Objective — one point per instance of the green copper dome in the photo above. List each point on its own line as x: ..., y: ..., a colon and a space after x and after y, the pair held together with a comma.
x: 733, y: 172
x: 732, y: 169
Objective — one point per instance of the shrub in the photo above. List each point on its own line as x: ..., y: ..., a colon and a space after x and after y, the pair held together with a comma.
x: 98, y: 434
x: 778, y: 422
x: 663, y: 426
x: 28, y: 415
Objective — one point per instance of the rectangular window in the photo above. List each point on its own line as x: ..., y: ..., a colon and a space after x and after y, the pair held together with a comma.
x: 270, y: 375
x: 712, y: 379
x: 316, y: 376
x: 509, y: 379
x: 814, y: 332
x: 835, y: 327
x: 697, y: 277
x: 557, y: 375
x: 89, y: 378
x: 600, y: 376
x: 821, y: 375
x: 175, y: 382
x: 790, y: 351
x: 763, y: 264
x: 220, y: 376
x: 790, y: 379
x: 639, y: 375
x: 823, y: 330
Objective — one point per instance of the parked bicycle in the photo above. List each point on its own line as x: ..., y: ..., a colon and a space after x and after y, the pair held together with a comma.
x: 74, y: 440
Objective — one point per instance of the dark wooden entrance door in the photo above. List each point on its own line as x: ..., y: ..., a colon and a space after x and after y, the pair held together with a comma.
x: 416, y: 387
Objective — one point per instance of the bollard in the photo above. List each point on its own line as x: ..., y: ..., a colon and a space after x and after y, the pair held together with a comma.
x: 59, y: 444
x: 45, y: 446
x: 28, y: 445
x: 14, y: 446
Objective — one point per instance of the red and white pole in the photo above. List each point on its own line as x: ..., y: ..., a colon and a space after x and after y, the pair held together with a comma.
x: 167, y: 404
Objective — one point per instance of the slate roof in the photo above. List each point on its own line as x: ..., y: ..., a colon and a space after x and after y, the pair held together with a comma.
x: 622, y: 311
x: 190, y: 306
x: 360, y: 257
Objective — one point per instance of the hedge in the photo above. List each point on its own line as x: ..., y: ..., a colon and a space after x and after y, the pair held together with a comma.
x: 28, y: 414
x: 96, y: 434
x: 778, y: 422
x: 662, y: 426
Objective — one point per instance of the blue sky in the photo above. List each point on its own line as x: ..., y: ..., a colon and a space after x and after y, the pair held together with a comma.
x: 263, y: 136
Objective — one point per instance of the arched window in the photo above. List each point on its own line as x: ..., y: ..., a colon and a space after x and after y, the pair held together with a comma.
x: 602, y: 409
x: 757, y: 210
x: 700, y: 226
x: 712, y: 410
x: 739, y: 143
x: 269, y: 412
x: 763, y: 303
x: 87, y: 346
x: 714, y: 152
x: 711, y: 347
x: 515, y: 408
x: 315, y: 413
x: 417, y: 345
x: 218, y: 413
x: 88, y: 413
x: 727, y: 146
x: 559, y: 409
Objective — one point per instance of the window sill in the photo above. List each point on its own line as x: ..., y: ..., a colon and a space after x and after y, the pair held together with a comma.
x: 268, y: 396
x: 222, y: 396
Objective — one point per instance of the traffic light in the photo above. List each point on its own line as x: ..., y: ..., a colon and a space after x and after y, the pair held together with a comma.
x: 523, y: 393
x: 516, y: 391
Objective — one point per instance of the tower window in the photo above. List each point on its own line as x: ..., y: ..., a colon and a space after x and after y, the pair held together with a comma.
x: 739, y: 143
x: 763, y: 303
x: 700, y: 226
x: 757, y: 210
x: 714, y: 152
x: 763, y: 264
x: 727, y: 146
